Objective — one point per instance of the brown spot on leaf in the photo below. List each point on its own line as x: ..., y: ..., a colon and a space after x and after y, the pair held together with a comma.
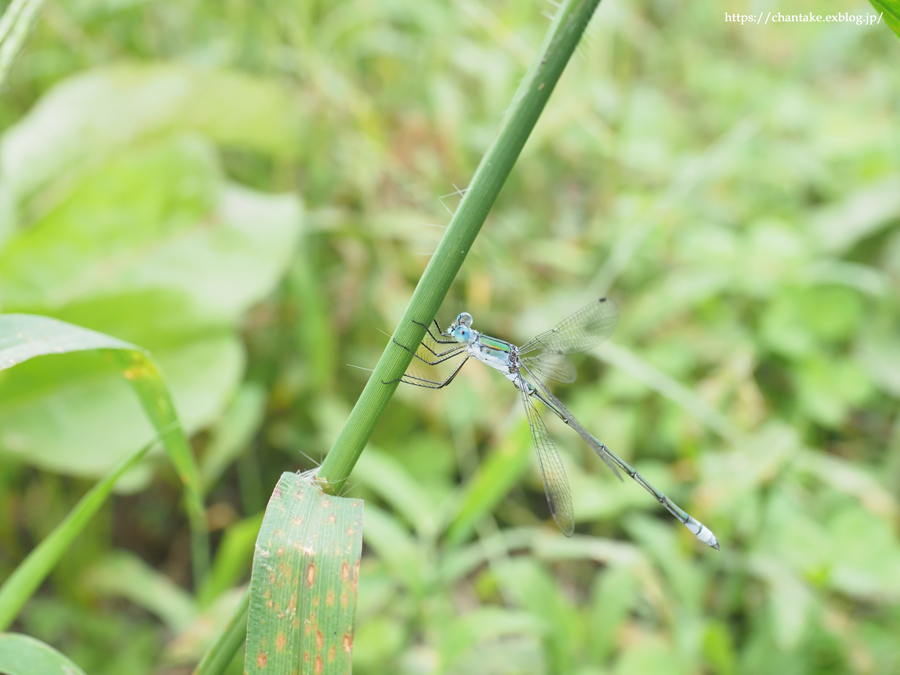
x: 310, y: 574
x: 331, y: 654
x: 320, y: 666
x: 280, y: 641
x: 345, y: 572
x: 262, y: 659
x: 329, y: 598
x: 347, y: 642
x: 320, y: 640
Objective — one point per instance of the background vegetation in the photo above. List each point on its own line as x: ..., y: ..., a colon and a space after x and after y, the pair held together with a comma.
x: 251, y: 190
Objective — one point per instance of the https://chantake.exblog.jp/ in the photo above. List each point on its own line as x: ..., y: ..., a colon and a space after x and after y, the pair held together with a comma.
x: 809, y: 17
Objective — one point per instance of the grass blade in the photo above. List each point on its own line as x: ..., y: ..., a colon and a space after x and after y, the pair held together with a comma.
x: 303, y: 588
x: 26, y: 336
x: 14, y: 27
x: 34, y: 569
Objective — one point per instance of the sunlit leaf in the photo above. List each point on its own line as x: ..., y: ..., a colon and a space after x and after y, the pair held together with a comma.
x: 96, y: 114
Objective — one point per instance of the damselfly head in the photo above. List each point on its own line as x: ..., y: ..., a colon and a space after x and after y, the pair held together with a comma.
x: 460, y: 330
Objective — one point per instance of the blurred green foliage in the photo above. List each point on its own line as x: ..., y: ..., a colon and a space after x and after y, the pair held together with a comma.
x: 736, y: 188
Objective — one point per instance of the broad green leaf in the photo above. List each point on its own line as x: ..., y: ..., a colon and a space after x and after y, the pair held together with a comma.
x: 74, y: 414
x: 155, y: 248
x: 95, y: 115
x: 159, y: 219
x: 303, y: 588
x: 23, y: 655
x: 99, y: 234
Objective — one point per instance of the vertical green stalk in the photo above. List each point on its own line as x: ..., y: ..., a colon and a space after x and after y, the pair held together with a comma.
x: 527, y: 105
x: 529, y: 101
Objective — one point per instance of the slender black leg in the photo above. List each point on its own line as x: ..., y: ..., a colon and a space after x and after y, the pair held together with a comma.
x: 428, y: 384
x: 432, y: 336
x: 437, y: 340
x: 444, y: 352
x: 442, y: 356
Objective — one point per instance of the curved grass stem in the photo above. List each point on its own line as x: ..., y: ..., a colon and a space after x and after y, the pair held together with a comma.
x: 562, y: 38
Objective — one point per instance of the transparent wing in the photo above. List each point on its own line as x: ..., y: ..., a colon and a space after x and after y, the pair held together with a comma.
x: 552, y: 366
x: 584, y: 330
x: 556, y: 485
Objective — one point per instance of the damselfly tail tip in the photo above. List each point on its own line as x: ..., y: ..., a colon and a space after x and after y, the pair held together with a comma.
x: 707, y: 537
x: 701, y: 531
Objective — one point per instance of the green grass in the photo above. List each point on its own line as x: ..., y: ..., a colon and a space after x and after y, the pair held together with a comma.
x: 249, y: 191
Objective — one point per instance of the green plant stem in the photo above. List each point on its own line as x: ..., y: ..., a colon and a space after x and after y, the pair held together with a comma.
x: 495, y: 167
x: 221, y: 653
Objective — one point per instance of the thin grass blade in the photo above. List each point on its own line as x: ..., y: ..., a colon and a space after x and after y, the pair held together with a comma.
x: 26, y: 336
